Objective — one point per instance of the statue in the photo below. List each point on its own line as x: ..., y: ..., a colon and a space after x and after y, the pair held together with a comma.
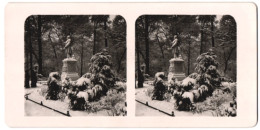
x: 69, y: 68
x: 175, y: 47
x: 68, y: 47
x: 176, y: 68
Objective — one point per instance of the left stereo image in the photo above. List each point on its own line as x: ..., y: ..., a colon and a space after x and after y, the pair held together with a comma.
x: 71, y: 67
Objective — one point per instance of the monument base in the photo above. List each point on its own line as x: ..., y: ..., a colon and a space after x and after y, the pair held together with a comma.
x: 69, y: 69
x: 178, y: 76
x: 73, y: 76
x: 176, y: 69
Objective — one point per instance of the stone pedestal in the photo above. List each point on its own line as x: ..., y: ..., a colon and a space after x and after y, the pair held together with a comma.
x: 176, y: 69
x: 69, y: 69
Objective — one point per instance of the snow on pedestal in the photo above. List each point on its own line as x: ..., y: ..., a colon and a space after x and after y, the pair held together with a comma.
x: 69, y: 69
x: 176, y: 69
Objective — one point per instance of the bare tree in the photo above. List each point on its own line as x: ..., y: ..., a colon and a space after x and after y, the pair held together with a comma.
x: 39, y: 37
x: 147, y: 59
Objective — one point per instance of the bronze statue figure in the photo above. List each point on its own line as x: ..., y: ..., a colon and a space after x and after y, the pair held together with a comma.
x: 68, y: 47
x: 175, y: 47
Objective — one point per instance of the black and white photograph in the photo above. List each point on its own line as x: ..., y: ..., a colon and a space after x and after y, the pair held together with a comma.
x: 186, y: 65
x: 130, y: 65
x: 75, y: 65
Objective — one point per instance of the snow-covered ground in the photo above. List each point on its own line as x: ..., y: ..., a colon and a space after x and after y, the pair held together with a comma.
x: 167, y: 106
x: 33, y: 109
x: 142, y: 110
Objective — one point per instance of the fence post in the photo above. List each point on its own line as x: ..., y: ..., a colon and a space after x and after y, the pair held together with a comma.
x: 173, y: 114
x: 26, y: 97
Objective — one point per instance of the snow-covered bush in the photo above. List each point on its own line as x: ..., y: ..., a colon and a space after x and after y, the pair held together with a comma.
x: 114, y: 102
x: 100, y: 67
x: 187, y: 80
x: 206, y: 67
x: 216, y: 104
x: 120, y: 86
x: 193, y: 75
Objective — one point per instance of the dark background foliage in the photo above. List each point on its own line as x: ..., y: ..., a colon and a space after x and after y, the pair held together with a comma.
x: 45, y: 36
x: 197, y: 34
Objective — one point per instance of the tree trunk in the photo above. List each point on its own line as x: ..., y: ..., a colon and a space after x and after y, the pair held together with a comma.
x: 118, y: 63
x: 189, y: 59
x: 26, y: 64
x: 226, y: 66
x: 212, y: 33
x: 39, y: 33
x: 27, y: 77
x: 94, y: 39
x: 31, y: 57
x: 139, y: 73
x: 54, y: 51
x: 147, y: 45
x: 161, y: 47
x: 201, y: 41
x: 53, y: 46
x: 228, y: 58
x: 105, y: 29
x: 81, y: 60
x: 142, y: 54
x: 120, y: 60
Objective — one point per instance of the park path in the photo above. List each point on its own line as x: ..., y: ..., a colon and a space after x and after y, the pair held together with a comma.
x: 142, y: 110
x: 33, y: 109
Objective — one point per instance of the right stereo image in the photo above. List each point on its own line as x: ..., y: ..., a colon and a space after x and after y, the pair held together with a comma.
x: 186, y: 65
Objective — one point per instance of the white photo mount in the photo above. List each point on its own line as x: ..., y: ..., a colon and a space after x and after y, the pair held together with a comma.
x: 244, y: 14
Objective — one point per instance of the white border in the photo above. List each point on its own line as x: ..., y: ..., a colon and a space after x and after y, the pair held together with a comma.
x: 244, y: 14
